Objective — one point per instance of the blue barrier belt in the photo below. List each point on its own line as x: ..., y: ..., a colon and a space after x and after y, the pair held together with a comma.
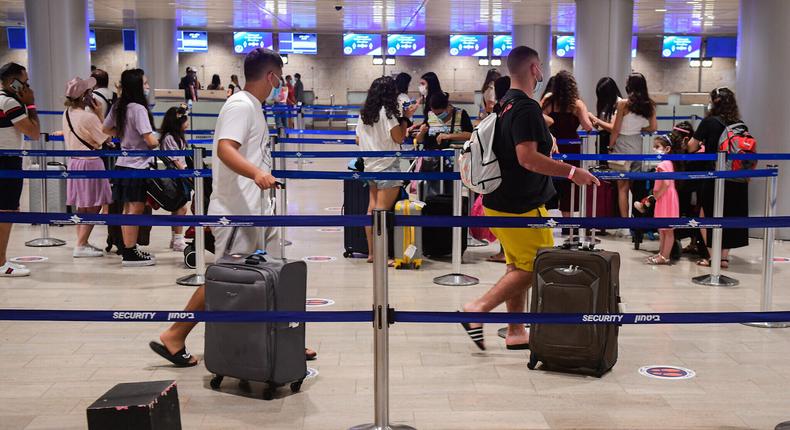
x: 398, y: 316
x: 758, y: 173
x: 97, y: 174
x: 354, y: 154
x: 200, y: 141
x: 317, y: 141
x: 365, y: 220
x: 368, y: 176
x: 100, y: 153
x: 569, y: 142
x: 325, y: 132
x: 636, y: 157
x: 199, y: 132
x: 329, y: 116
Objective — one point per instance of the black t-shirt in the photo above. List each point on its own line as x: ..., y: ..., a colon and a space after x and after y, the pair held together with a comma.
x: 185, y: 83
x: 521, y: 190
x: 709, y: 132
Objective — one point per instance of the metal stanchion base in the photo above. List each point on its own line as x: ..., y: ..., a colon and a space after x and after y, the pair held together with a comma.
x: 193, y: 280
x: 471, y: 242
x: 44, y: 242
x: 456, y: 280
x: 769, y: 325
x: 503, y: 331
x: 389, y: 427
x: 783, y: 426
x: 707, y: 280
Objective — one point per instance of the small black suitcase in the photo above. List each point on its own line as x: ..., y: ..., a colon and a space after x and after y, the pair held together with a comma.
x: 575, y: 281
x: 356, y: 197
x: 438, y: 241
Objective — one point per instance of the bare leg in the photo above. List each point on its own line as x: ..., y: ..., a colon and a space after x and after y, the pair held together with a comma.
x: 175, y: 336
x: 5, y: 233
x: 511, y: 288
x: 84, y: 230
x: 373, y: 191
x: 130, y: 231
x: 623, y: 188
x: 667, y: 241
x: 179, y: 229
x: 516, y: 333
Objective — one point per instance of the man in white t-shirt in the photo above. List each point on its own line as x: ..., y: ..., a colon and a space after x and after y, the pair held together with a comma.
x: 241, y: 169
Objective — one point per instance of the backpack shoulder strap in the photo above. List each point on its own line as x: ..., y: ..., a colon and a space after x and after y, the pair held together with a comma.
x: 71, y: 127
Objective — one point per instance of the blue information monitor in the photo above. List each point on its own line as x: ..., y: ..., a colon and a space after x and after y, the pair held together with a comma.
x: 361, y: 44
x: 721, y: 47
x: 469, y: 45
x: 129, y: 40
x: 245, y: 42
x: 92, y: 39
x: 192, y: 41
x: 681, y: 47
x: 503, y: 44
x: 412, y: 45
x: 16, y: 38
x: 298, y: 43
x: 566, y: 46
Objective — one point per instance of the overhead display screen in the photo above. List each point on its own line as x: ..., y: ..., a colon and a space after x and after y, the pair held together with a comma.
x: 192, y: 41
x: 469, y: 45
x: 361, y: 44
x: 245, y: 42
x: 681, y: 47
x: 412, y: 45
x: 16, y: 38
x: 566, y: 46
x: 298, y: 43
x: 721, y: 47
x: 92, y: 39
x: 503, y: 44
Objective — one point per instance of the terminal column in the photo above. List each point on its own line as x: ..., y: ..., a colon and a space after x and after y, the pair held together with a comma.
x: 156, y: 52
x: 537, y: 37
x: 57, y: 50
x: 603, y: 44
x: 763, y: 55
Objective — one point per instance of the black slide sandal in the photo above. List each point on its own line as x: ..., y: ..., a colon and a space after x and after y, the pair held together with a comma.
x: 476, y: 334
x: 519, y: 347
x: 179, y: 359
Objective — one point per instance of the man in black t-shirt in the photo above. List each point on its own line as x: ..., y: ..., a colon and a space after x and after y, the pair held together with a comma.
x: 523, y: 147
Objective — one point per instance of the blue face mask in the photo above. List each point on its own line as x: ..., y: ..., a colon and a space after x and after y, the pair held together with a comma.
x: 442, y: 116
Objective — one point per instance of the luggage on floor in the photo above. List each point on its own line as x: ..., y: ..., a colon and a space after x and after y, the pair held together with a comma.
x: 56, y: 191
x: 575, y: 281
x: 356, y: 197
x: 115, y: 236
x: 438, y: 241
x: 273, y: 353
x: 408, y: 239
x: 605, y: 200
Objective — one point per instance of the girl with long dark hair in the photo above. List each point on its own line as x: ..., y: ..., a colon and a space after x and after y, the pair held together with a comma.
x: 429, y: 86
x: 172, y: 138
x: 722, y: 112
x: 215, y: 84
x: 608, y: 94
x: 488, y: 93
x: 131, y: 121
x: 635, y: 115
x: 380, y: 129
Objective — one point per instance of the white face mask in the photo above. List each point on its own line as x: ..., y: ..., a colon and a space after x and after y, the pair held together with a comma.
x: 423, y: 90
x: 659, y: 151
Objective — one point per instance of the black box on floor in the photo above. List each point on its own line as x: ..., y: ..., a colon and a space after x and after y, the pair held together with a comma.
x: 137, y: 406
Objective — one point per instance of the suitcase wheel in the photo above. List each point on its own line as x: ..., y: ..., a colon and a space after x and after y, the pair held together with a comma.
x: 216, y: 381
x: 189, y: 256
x: 296, y: 386
x: 346, y: 254
x: 244, y: 385
x: 533, y: 362
x: 268, y: 392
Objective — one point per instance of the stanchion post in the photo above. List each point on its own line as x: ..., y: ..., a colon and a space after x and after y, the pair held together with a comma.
x: 766, y: 300
x: 381, y: 322
x: 457, y: 279
x: 44, y: 241
x: 199, y: 277
x: 281, y: 204
x: 716, y: 279
x: 583, y: 194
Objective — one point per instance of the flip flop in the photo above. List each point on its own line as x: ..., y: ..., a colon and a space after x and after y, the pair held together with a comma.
x: 476, y: 334
x: 518, y: 347
x: 179, y: 359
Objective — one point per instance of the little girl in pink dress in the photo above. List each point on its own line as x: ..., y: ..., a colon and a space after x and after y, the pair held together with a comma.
x: 667, y: 202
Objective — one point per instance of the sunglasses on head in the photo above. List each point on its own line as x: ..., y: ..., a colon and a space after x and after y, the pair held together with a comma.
x: 182, y: 111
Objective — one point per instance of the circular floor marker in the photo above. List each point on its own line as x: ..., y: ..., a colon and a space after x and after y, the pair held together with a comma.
x: 311, y: 373
x: 667, y: 372
x: 319, y: 259
x: 781, y: 260
x: 330, y: 230
x: 334, y: 209
x: 29, y: 259
x: 319, y: 303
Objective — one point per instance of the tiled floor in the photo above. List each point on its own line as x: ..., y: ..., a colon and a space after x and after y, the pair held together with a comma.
x: 50, y: 372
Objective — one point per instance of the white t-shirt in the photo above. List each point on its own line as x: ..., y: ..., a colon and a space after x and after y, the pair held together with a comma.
x: 377, y: 137
x: 12, y: 112
x: 402, y: 99
x: 241, y: 119
x: 104, y: 99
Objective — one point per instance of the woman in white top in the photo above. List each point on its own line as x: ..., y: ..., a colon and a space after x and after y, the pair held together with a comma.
x: 635, y: 115
x: 82, y: 131
x: 380, y: 128
x: 489, y: 95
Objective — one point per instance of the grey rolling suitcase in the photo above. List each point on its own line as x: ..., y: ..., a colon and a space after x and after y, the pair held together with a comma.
x: 273, y: 353
x: 575, y: 281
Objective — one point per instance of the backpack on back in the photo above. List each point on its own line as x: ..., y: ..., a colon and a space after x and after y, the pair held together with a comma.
x: 736, y: 139
x: 478, y: 163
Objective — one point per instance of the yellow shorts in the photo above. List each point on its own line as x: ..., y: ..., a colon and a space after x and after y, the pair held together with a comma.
x: 521, y: 245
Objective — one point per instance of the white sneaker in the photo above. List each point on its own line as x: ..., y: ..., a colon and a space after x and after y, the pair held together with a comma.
x: 8, y: 270
x: 16, y: 265
x: 95, y: 248
x: 178, y: 245
x: 87, y: 252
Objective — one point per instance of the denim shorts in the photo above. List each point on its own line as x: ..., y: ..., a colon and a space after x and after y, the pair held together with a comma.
x: 387, y: 183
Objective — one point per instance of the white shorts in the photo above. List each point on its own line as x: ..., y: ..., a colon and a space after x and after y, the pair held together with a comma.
x: 246, y: 240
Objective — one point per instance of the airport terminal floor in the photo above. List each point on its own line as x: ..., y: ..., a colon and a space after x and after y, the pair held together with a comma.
x: 50, y: 372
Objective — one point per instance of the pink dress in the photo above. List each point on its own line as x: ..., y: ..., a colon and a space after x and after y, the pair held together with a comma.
x: 668, y: 206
